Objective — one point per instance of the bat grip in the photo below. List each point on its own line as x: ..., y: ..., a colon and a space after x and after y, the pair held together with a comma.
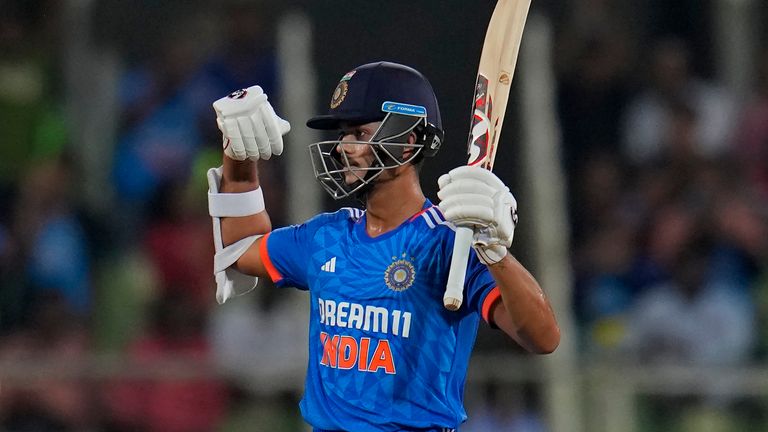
x: 454, y: 290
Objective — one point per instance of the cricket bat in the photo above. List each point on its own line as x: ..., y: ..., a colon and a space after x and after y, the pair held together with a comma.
x: 494, y: 76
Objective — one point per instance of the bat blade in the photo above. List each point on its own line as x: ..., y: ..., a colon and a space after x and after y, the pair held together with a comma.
x: 489, y: 104
x: 494, y: 77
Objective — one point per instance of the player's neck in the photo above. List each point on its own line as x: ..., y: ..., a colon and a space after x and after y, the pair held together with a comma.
x: 392, y: 202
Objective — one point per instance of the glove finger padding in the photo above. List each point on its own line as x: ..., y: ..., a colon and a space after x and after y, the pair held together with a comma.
x: 466, y: 186
x: 261, y: 146
x: 233, y: 144
x: 273, y: 129
x: 471, y: 172
x: 505, y: 213
x: 284, y: 127
x: 249, y: 137
x: 468, y: 209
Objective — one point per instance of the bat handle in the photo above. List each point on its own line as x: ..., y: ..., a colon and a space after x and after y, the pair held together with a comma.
x: 454, y: 290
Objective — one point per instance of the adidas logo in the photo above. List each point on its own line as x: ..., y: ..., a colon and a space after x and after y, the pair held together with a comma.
x: 329, y: 266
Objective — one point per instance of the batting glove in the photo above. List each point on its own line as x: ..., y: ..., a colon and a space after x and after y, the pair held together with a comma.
x: 250, y: 127
x: 475, y: 198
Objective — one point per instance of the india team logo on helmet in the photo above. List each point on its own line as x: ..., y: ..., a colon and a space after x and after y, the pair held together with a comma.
x: 400, y: 275
x: 339, y: 94
x: 341, y: 90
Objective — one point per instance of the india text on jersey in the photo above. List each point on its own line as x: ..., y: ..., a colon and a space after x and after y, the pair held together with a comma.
x: 347, y: 352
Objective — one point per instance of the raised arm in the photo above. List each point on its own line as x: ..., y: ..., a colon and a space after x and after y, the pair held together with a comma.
x: 474, y: 197
x: 240, y: 177
x: 251, y: 131
x: 524, y: 313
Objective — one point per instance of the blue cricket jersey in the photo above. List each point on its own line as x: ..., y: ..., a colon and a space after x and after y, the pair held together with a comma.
x: 384, y: 354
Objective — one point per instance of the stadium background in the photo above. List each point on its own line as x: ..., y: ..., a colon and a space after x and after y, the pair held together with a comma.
x: 636, y: 143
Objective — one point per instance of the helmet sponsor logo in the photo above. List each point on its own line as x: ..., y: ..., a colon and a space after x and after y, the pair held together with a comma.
x: 406, y: 109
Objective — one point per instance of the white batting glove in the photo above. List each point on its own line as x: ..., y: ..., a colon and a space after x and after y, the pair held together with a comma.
x: 250, y: 127
x: 475, y: 198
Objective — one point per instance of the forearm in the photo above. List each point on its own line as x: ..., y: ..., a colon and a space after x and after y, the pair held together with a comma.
x: 251, y: 131
x: 526, y: 314
x: 476, y: 198
x: 238, y: 177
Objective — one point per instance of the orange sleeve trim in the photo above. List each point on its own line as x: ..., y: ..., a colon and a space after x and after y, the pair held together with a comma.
x: 264, y: 255
x: 490, y: 299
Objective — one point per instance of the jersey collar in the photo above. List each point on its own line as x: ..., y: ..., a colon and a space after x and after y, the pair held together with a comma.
x: 362, y: 234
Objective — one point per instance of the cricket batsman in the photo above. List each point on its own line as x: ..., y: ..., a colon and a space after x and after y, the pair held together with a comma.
x: 384, y: 354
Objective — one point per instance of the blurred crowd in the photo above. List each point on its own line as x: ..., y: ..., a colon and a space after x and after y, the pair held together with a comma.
x: 134, y: 281
x: 669, y: 206
x: 667, y: 180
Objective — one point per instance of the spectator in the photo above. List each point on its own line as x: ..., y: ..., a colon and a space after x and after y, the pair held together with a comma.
x: 690, y: 319
x: 751, y: 144
x: 30, y: 115
x: 244, y: 56
x: 177, y: 240
x: 595, y: 52
x: 55, y: 340
x: 598, y: 195
x: 740, y: 219
x: 50, y: 234
x: 514, y: 411
x: 160, y: 137
x: 606, y: 285
x: 671, y: 80
x: 175, y: 343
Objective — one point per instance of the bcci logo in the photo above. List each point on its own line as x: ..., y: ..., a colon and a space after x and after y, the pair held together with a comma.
x: 400, y: 275
x: 339, y: 94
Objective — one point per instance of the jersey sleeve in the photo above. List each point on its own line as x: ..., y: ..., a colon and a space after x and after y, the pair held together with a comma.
x: 286, y: 251
x: 480, y: 287
x: 283, y: 253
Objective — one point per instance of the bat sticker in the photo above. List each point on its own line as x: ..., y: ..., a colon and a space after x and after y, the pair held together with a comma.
x: 480, y: 131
